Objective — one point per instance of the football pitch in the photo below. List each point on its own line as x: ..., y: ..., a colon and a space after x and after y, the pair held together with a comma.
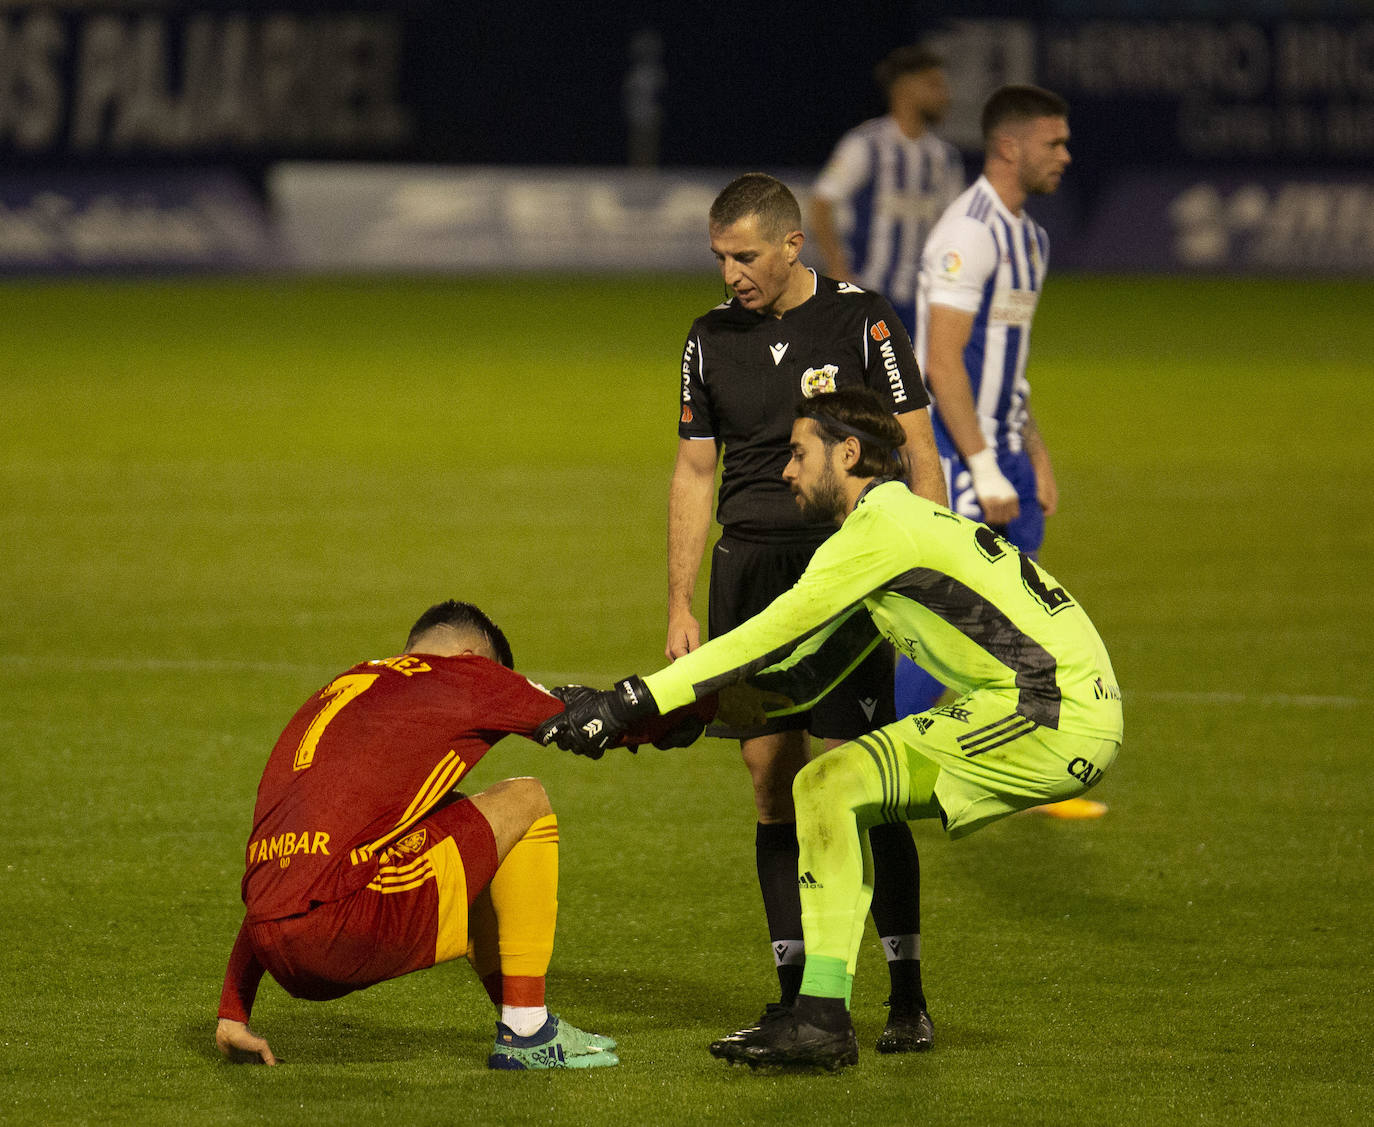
x: 216, y: 495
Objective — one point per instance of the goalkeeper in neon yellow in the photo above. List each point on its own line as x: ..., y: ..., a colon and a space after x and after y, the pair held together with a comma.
x: 1038, y: 718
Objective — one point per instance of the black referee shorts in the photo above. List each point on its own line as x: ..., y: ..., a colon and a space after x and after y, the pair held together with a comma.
x: 745, y: 577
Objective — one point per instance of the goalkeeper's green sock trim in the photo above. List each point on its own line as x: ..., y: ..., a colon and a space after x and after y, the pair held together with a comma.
x: 826, y: 977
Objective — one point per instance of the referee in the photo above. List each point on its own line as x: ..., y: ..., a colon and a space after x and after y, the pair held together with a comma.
x: 784, y: 334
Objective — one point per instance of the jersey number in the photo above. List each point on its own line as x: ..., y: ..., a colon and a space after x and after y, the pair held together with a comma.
x: 333, y: 697
x: 994, y: 547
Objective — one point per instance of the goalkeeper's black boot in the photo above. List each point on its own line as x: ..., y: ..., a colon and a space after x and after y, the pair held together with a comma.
x: 814, y: 1031
x: 728, y: 1047
x: 907, y: 1031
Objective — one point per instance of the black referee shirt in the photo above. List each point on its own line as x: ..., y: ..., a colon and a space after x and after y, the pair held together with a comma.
x: 743, y: 374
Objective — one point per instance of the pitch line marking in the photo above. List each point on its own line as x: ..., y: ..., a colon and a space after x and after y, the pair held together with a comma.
x: 597, y: 679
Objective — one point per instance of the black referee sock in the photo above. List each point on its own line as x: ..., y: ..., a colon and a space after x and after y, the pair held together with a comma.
x: 830, y: 1014
x: 775, y: 853
x: 897, y: 911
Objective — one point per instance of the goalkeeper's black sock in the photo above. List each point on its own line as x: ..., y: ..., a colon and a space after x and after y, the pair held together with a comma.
x: 897, y: 911
x: 775, y: 853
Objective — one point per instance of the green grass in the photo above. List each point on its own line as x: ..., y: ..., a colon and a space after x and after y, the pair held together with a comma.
x: 215, y: 495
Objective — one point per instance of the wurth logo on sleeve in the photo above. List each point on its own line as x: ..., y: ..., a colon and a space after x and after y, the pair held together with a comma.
x: 880, y: 332
x: 688, y: 354
x: 894, y: 373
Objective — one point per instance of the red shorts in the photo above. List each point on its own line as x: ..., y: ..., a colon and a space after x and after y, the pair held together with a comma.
x: 412, y: 915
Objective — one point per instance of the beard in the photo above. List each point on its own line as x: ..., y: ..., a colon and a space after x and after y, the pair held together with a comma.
x: 825, y: 502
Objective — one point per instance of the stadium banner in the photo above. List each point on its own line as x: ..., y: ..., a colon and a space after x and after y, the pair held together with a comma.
x: 110, y: 81
x: 493, y: 218
x: 620, y: 83
x: 1168, y: 91
x: 1219, y: 221
x: 481, y: 219
x: 132, y: 221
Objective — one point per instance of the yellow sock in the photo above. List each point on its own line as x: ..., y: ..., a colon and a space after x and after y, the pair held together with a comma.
x: 524, y: 897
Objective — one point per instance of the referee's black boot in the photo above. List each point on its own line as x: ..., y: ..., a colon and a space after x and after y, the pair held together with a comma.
x: 907, y: 1031
x: 729, y: 1046
x: 814, y: 1031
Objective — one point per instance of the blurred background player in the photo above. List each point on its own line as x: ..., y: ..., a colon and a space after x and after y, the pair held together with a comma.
x: 887, y: 182
x: 981, y: 277
x: 365, y: 863
x: 784, y: 334
x: 884, y: 186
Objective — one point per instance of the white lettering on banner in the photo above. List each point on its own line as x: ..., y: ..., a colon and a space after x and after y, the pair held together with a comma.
x: 1302, y: 224
x: 116, y: 228
x: 1243, y: 89
x: 209, y: 80
x: 1326, y: 59
x: 541, y: 209
x: 31, y: 94
x: 1014, y: 307
x: 1181, y: 59
x: 493, y: 217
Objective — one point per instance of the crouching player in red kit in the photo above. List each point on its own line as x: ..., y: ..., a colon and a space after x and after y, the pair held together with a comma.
x: 365, y: 864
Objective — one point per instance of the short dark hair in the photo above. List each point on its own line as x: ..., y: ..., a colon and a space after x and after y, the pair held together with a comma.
x: 906, y: 60
x: 856, y: 412
x: 463, y: 616
x: 1019, y: 104
x: 757, y: 193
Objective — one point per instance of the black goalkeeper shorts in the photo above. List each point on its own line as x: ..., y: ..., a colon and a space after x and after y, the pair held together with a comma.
x: 745, y: 577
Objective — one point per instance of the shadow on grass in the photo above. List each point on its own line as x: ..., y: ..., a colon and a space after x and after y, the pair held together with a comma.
x: 1049, y: 870
x: 311, y: 1032
x: 616, y: 1001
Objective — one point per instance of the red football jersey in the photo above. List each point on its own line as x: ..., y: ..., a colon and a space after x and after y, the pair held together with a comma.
x: 366, y: 758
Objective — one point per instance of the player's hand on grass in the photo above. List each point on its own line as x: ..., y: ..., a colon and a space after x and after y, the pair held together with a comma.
x: 684, y: 635
x: 591, y: 724
x: 240, y: 1044
x: 996, y: 495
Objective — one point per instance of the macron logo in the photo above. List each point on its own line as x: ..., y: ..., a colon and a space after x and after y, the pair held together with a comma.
x: 869, y: 706
x: 778, y: 350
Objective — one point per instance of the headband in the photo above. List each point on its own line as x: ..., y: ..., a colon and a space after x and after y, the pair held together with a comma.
x: 853, y: 432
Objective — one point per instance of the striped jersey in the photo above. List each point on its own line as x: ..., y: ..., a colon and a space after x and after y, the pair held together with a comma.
x: 951, y: 594
x: 888, y: 191
x: 984, y: 260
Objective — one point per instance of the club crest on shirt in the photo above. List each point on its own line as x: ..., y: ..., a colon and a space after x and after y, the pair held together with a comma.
x: 817, y: 381
x: 411, y: 843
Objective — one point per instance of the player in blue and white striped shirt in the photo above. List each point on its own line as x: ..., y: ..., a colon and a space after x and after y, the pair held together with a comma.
x: 887, y: 182
x: 981, y: 275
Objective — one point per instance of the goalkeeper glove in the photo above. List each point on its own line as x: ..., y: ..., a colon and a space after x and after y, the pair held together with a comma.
x: 591, y: 724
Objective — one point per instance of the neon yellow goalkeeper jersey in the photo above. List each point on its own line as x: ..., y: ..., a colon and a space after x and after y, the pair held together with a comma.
x: 958, y: 599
